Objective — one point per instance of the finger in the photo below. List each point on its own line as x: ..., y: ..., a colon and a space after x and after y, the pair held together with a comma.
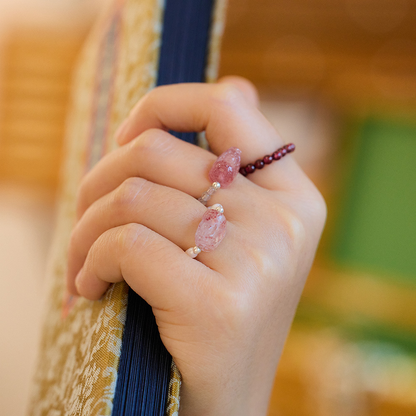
x: 171, y: 213
x: 227, y: 118
x: 155, y: 268
x: 245, y: 86
x: 160, y: 158
x: 166, y: 211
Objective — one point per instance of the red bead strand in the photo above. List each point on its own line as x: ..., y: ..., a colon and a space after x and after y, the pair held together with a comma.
x: 266, y: 160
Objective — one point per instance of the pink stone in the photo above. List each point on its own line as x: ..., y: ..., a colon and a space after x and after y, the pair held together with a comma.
x: 226, y: 167
x: 211, y: 230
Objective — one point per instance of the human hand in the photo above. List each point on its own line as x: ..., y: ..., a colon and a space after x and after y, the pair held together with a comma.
x: 224, y: 316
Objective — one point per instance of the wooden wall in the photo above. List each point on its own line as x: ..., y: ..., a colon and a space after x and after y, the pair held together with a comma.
x: 352, y: 50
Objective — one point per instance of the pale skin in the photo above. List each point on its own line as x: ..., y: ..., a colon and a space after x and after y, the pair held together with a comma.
x: 225, y: 315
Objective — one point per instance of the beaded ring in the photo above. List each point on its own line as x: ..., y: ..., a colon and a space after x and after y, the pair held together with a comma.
x: 210, y: 232
x: 266, y: 160
x: 227, y: 165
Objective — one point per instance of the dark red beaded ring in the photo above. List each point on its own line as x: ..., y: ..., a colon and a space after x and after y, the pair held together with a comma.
x: 266, y: 160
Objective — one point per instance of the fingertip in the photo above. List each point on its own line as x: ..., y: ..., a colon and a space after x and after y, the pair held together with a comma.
x: 78, y: 283
x: 90, y: 286
x: 71, y: 287
x: 245, y: 86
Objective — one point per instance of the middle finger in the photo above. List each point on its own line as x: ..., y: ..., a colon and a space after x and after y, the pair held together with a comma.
x: 160, y: 158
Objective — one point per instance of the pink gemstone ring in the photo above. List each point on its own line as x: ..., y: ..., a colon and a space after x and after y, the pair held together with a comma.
x: 223, y: 173
x: 211, y: 231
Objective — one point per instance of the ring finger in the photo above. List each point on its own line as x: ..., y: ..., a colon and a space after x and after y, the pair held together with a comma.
x: 166, y: 211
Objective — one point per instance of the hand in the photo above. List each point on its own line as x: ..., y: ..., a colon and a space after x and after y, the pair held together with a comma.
x: 224, y: 316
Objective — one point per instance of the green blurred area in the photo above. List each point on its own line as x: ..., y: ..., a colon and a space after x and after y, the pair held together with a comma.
x: 376, y: 227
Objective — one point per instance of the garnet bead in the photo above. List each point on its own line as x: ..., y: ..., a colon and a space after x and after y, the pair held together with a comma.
x: 277, y: 155
x: 290, y: 148
x: 259, y: 164
x: 250, y: 168
x: 266, y: 160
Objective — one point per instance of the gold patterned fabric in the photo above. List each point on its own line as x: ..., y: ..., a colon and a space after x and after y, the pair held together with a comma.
x: 81, y: 341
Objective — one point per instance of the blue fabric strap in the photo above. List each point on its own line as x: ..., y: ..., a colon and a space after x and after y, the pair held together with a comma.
x: 144, y: 370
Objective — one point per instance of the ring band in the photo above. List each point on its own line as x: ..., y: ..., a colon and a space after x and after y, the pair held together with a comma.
x: 266, y: 160
x: 206, y: 196
x: 210, y: 232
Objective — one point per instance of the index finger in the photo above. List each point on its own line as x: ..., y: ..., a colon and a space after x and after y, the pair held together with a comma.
x: 227, y: 118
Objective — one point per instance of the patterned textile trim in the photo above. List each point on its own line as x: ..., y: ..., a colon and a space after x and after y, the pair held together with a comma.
x: 172, y: 408
x: 79, y: 354
x: 104, y: 88
x: 217, y: 30
x: 211, y: 72
x: 81, y: 340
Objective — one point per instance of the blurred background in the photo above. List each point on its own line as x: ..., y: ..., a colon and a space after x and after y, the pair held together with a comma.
x: 336, y: 77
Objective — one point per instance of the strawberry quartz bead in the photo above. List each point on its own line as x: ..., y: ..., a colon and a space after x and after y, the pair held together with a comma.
x: 226, y: 167
x: 211, y: 230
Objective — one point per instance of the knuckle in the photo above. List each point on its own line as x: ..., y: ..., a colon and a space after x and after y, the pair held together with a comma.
x: 128, y: 235
x: 127, y: 193
x: 92, y: 258
x: 262, y: 261
x: 234, y: 311
x: 294, y: 230
x: 152, y: 96
x: 226, y: 94
x: 150, y: 140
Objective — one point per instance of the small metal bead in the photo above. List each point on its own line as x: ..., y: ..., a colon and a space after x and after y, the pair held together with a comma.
x: 216, y: 185
x: 193, y: 251
x: 217, y: 207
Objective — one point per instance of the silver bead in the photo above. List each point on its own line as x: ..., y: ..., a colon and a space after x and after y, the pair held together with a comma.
x: 193, y: 251
x: 217, y: 207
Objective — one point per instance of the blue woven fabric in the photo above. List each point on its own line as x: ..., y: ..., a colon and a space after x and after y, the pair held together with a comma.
x: 144, y: 369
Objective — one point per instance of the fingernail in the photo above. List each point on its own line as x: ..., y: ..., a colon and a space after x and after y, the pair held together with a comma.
x: 121, y: 131
x: 78, y: 279
x: 67, y: 304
